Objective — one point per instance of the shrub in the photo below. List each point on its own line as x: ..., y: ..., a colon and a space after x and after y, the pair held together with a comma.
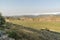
x: 2, y: 20
x: 13, y: 34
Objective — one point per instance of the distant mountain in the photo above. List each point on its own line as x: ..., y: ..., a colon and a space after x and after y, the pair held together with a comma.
x: 33, y: 16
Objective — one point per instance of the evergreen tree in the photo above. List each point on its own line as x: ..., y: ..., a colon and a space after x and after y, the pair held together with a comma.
x: 2, y: 20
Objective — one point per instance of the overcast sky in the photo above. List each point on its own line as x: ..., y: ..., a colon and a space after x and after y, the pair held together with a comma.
x: 29, y: 7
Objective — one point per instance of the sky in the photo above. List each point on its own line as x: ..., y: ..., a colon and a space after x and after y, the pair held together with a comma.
x: 29, y: 7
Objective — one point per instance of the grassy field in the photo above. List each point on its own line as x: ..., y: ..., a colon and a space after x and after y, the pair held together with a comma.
x: 33, y: 34
x: 54, y: 26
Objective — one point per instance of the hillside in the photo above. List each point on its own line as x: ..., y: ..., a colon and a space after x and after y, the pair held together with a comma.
x: 27, y: 33
x: 36, y: 18
x: 52, y: 22
x: 36, y: 28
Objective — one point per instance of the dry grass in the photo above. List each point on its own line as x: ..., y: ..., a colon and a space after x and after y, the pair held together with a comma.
x: 52, y: 25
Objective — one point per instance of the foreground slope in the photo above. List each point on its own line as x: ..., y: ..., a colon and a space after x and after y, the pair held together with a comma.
x: 27, y: 33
